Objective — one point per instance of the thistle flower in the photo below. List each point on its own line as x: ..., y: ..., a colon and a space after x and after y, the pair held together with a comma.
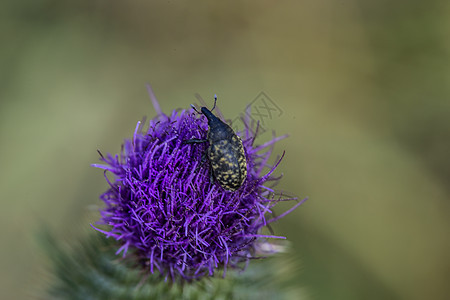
x: 163, y: 206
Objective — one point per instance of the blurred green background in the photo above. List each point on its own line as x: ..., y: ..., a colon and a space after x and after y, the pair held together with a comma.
x: 364, y: 87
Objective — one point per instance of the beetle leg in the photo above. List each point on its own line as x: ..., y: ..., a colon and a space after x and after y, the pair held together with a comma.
x: 194, y: 141
x: 202, y: 161
x: 203, y: 157
x: 211, y: 177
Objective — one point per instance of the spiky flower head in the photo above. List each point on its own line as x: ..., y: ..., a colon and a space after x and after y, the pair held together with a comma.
x: 164, y: 207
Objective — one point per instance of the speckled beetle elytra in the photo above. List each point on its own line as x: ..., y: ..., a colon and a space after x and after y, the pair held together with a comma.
x: 225, y: 151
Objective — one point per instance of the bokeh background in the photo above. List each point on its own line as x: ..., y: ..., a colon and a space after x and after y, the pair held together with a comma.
x: 364, y: 90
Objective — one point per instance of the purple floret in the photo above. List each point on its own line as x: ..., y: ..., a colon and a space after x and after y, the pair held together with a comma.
x: 163, y: 205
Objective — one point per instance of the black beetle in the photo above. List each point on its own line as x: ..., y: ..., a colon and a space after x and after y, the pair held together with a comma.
x: 225, y: 151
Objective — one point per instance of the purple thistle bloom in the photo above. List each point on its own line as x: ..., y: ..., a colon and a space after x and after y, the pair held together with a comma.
x: 163, y: 206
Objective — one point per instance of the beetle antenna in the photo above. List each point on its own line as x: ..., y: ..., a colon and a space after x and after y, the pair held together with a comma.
x: 192, y: 105
x: 215, y: 100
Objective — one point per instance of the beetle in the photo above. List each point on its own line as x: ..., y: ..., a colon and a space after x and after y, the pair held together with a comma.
x: 225, y: 151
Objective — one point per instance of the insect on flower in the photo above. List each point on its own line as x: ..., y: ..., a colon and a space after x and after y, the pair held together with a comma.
x: 173, y: 220
x: 225, y: 152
